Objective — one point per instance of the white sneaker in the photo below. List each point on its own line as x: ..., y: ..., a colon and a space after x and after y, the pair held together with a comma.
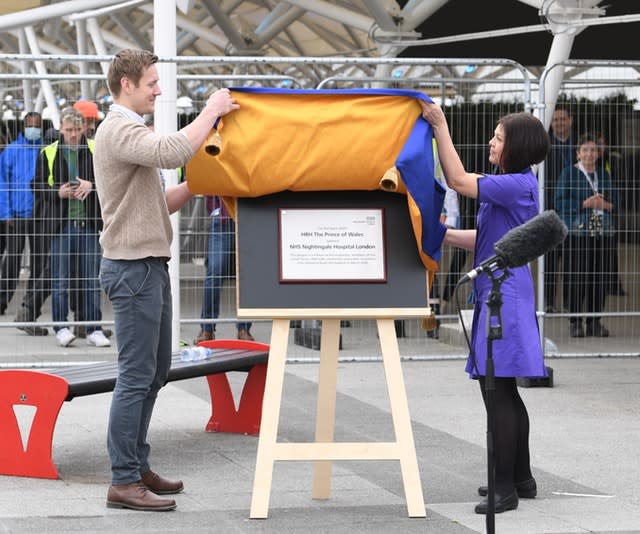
x: 65, y: 337
x: 98, y: 339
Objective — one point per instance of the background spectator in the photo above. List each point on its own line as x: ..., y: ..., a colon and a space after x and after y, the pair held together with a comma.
x: 17, y: 170
x: 221, y: 252
x: 585, y: 200
x: 65, y: 177
x: 561, y: 155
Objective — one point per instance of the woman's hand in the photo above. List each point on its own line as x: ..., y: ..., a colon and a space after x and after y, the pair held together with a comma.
x: 433, y: 114
x: 597, y: 202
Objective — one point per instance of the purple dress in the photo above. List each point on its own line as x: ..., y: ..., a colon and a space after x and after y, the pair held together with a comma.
x: 506, y: 201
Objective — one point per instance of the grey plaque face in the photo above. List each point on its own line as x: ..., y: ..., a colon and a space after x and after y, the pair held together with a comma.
x: 259, y: 286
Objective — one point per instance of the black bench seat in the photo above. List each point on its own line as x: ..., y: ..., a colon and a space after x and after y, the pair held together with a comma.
x: 47, y: 390
x: 91, y: 379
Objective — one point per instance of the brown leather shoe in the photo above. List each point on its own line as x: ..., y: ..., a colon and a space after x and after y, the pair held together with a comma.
x: 161, y: 486
x: 136, y: 496
x: 245, y: 335
x: 204, y: 335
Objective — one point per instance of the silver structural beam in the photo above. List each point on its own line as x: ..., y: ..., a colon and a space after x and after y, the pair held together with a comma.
x: 336, y: 13
x: 277, y: 21
x: 26, y: 86
x: 207, y: 34
x: 382, y: 17
x: 46, y: 46
x: 45, y: 85
x: 98, y: 42
x: 83, y: 66
x: 417, y: 11
x: 106, y: 10
x: 130, y: 30
x: 28, y: 17
x: 342, y: 60
x: 224, y: 23
x: 115, y: 40
x: 164, y: 38
x: 185, y: 77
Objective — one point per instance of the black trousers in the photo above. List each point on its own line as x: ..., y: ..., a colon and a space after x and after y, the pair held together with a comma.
x: 587, y: 264
x: 16, y: 235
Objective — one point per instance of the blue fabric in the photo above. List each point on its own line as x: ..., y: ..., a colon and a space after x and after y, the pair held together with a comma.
x: 17, y: 169
x: 416, y: 166
x: 372, y: 92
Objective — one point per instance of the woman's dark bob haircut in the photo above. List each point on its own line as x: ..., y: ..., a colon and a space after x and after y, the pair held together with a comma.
x: 526, y: 142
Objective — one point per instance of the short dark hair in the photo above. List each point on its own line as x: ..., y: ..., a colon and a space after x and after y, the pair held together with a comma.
x: 587, y: 137
x: 32, y: 115
x: 130, y: 63
x: 526, y: 142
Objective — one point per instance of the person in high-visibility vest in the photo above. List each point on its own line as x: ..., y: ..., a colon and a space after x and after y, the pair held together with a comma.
x: 65, y: 188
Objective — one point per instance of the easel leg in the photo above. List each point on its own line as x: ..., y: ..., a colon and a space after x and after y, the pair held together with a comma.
x: 401, y: 419
x: 326, y: 408
x: 270, y: 419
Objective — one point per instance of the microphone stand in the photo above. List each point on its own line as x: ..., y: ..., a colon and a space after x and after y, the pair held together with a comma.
x: 494, y: 331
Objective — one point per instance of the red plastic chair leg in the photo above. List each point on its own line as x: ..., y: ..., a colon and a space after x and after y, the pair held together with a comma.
x: 46, y: 393
x: 224, y: 415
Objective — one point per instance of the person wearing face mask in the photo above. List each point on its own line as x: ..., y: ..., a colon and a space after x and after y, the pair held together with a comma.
x: 17, y: 170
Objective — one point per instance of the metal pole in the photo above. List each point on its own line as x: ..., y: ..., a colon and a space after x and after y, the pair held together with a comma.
x: 165, y: 122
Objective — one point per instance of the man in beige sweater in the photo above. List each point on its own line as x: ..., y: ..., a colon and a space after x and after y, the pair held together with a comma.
x: 136, y: 241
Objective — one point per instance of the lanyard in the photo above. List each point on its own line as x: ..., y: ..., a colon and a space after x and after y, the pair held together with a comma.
x: 593, y: 183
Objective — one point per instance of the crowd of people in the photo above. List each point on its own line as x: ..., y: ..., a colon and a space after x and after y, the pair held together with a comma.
x: 49, y: 207
x: 48, y: 201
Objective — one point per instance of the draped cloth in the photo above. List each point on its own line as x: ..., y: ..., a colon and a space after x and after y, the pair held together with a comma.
x: 324, y: 140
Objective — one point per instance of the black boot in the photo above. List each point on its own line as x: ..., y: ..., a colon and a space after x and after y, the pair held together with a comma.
x: 502, y: 504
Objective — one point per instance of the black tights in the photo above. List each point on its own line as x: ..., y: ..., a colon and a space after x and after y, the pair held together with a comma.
x: 510, y: 436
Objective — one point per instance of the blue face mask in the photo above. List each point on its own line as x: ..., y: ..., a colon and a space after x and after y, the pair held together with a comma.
x: 32, y: 134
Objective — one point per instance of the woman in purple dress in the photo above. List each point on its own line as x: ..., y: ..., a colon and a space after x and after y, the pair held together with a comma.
x: 506, y: 200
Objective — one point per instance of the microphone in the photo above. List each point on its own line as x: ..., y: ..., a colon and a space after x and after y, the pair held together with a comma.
x: 523, y: 244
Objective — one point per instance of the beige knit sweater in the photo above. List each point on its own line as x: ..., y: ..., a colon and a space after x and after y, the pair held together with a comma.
x: 134, y: 210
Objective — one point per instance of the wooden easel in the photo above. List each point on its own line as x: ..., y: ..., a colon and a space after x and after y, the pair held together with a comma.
x: 324, y: 450
x: 262, y: 295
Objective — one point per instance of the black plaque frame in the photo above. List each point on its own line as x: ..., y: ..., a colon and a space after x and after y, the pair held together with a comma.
x: 260, y: 294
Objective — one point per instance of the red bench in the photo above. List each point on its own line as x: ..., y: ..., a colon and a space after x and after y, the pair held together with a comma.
x: 46, y: 391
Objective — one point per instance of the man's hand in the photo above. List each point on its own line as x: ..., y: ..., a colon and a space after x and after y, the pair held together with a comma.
x: 79, y: 190
x: 83, y: 189
x: 221, y: 102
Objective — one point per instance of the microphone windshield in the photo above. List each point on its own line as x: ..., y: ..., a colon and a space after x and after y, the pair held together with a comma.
x: 526, y: 242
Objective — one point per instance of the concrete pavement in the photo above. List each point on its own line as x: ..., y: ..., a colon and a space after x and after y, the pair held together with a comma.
x: 585, y: 436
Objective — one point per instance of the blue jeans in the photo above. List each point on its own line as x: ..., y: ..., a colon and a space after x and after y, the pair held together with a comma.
x: 140, y: 292
x: 221, y: 252
x: 78, y: 243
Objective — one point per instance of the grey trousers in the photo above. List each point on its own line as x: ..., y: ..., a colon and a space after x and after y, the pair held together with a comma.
x: 140, y: 294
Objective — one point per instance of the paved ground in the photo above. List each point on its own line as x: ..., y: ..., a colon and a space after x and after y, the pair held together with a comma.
x: 585, y: 440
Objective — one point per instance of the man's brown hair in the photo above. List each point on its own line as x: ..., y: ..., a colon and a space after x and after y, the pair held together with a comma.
x: 128, y: 63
